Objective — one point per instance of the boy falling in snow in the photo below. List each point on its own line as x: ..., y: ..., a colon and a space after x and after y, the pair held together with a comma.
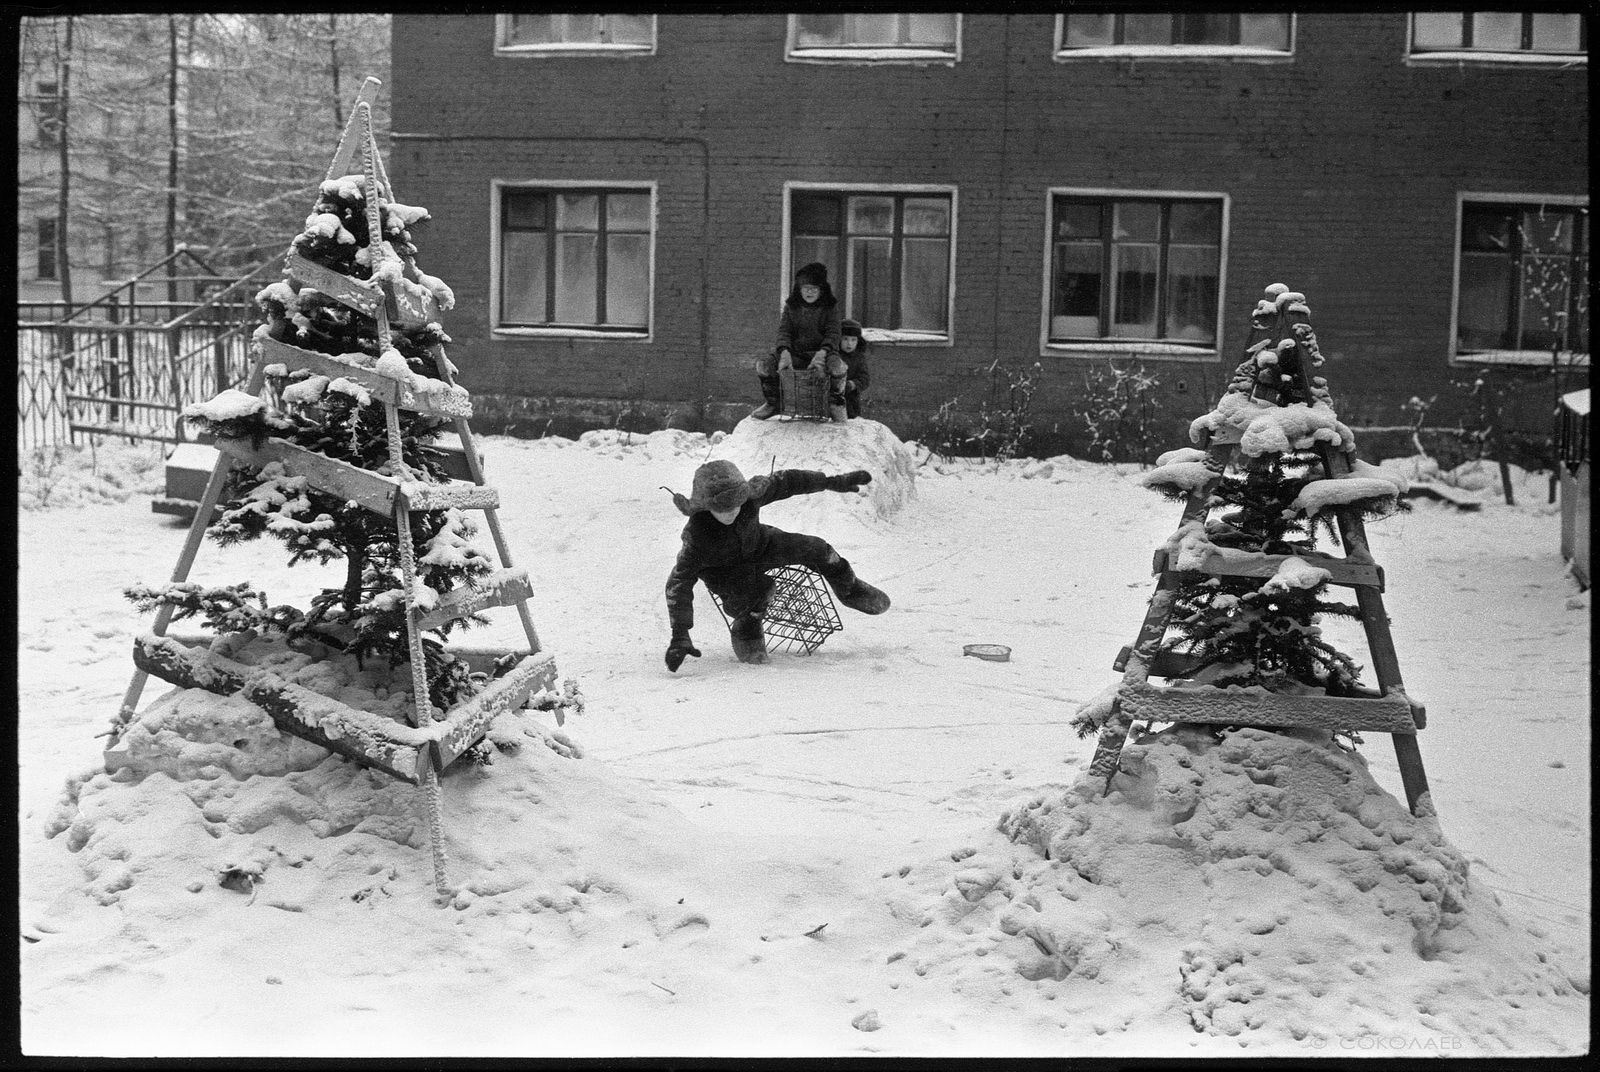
x: 726, y: 546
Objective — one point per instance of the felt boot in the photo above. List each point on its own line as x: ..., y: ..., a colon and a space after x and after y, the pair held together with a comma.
x: 769, y: 391
x: 749, y: 639
x: 836, y: 407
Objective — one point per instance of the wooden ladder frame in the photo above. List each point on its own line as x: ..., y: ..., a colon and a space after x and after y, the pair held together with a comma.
x: 438, y: 737
x: 1388, y: 710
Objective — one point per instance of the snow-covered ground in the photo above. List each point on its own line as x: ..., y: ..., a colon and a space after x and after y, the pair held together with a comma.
x: 882, y: 848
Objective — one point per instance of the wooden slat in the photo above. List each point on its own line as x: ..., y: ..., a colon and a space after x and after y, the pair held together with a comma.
x: 501, y: 588
x: 371, y: 490
x: 1240, y: 707
x: 367, y: 738
x: 361, y: 296
x: 412, y: 305
x: 382, y: 388
x: 483, y: 660
x: 469, y: 721
x: 371, y: 740
x: 423, y: 395
x: 1228, y: 562
x: 420, y: 496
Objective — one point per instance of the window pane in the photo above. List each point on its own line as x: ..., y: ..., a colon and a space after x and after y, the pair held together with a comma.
x: 1191, y: 293
x: 1485, y: 296
x: 627, y: 279
x: 532, y: 30
x: 1547, y: 232
x: 1544, y: 300
x: 581, y: 29
x: 1264, y: 31
x: 1556, y: 33
x: 872, y: 215
x: 525, y: 210
x: 1486, y: 229
x: 926, y: 216
x: 937, y: 29
x: 1137, y: 220
x: 1196, y: 222
x: 575, y: 278
x: 806, y: 250
x: 1075, y: 308
x: 869, y: 281
x: 873, y: 29
x: 1089, y: 31
x: 818, y: 31
x: 811, y: 214
x: 1133, y: 302
x: 1147, y: 29
x: 922, y: 283
x: 1436, y: 29
x: 1205, y: 28
x: 1497, y: 30
x: 522, y: 279
x: 1075, y: 219
x: 628, y: 212
x: 577, y: 212
x: 628, y: 29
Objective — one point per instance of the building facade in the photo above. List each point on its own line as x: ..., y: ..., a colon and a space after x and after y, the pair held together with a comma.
x: 620, y: 203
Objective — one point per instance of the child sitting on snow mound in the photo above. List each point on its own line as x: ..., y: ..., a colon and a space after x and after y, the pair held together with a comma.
x: 726, y: 546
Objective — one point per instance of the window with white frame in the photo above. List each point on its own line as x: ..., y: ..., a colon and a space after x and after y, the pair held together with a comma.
x: 888, y: 253
x: 575, y: 258
x: 566, y: 35
x: 1220, y: 33
x: 1500, y: 35
x: 880, y: 37
x: 1522, y: 276
x: 1139, y: 268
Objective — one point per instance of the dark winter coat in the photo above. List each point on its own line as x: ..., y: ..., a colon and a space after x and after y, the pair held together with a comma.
x: 856, y: 372
x: 805, y: 329
x: 721, y: 555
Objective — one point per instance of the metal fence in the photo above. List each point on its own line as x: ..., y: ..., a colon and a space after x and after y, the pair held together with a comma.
x: 126, y: 367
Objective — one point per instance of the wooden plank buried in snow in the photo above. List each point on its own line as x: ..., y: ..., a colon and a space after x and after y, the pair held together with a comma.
x: 370, y: 739
x: 361, y: 296
x: 1230, y: 562
x: 372, y: 491
x: 1249, y: 707
x: 367, y: 738
x: 502, y: 588
x: 470, y: 720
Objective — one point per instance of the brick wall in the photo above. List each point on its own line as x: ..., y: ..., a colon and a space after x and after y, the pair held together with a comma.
x: 1342, y: 168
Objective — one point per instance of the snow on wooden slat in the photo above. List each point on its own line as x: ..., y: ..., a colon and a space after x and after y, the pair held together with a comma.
x: 367, y: 738
x: 420, y: 496
x: 382, y: 388
x: 412, y: 305
x: 369, y: 490
x: 502, y: 588
x: 469, y: 721
x: 1230, y: 562
x: 361, y: 296
x: 1257, y: 707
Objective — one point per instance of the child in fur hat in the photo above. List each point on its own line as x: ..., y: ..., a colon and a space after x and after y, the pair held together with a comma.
x: 853, y: 348
x: 726, y: 546
x: 808, y: 338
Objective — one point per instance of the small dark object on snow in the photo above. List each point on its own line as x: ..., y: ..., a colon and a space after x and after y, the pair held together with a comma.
x: 994, y: 653
x: 238, y: 879
x: 813, y: 932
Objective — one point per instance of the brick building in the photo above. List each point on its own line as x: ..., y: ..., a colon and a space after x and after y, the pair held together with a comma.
x: 620, y: 203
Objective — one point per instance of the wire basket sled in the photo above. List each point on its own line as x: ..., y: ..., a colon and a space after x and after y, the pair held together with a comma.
x: 803, y: 394
x: 800, y: 613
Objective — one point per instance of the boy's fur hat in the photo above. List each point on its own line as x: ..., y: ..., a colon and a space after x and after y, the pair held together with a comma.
x: 718, y: 485
x: 814, y: 274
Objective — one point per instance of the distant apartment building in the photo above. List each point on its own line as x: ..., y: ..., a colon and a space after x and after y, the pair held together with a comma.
x: 620, y: 201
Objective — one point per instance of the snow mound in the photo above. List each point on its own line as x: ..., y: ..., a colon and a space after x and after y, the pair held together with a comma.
x: 77, y: 474
x: 1291, y: 900
x: 759, y: 447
